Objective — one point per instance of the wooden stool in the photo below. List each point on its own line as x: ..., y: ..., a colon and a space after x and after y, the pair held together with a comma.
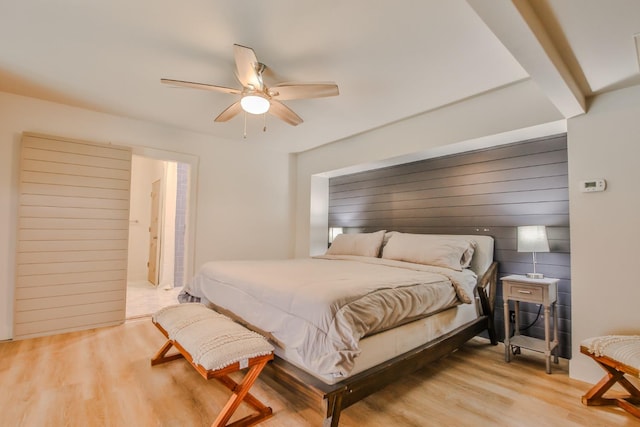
x: 216, y: 346
x: 617, y: 355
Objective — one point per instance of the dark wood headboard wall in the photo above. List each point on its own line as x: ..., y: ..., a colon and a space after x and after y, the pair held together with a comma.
x: 489, y: 191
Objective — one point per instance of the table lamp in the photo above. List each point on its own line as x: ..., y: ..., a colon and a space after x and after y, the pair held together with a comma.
x: 533, y: 238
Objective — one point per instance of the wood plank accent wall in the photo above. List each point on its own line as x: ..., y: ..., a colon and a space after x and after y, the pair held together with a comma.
x: 73, y: 226
x: 489, y: 191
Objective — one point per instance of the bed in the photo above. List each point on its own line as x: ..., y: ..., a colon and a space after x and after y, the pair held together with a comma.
x: 376, y: 306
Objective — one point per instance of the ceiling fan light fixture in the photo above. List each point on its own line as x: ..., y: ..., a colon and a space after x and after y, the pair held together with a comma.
x: 255, y: 97
x: 255, y: 104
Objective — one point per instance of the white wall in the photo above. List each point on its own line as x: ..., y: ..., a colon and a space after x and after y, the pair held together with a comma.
x: 517, y: 106
x: 243, y: 191
x: 605, y: 227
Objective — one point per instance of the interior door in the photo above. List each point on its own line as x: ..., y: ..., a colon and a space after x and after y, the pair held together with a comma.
x: 154, y: 238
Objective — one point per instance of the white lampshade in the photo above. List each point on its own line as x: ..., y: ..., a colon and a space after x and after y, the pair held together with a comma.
x: 533, y: 238
x: 255, y: 104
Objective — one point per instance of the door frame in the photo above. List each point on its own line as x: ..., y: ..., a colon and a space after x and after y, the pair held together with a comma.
x: 193, y: 162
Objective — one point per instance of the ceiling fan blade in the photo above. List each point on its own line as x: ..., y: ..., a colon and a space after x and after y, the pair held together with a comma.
x: 231, y: 111
x: 204, y: 86
x: 247, y: 66
x: 286, y: 91
x: 284, y: 113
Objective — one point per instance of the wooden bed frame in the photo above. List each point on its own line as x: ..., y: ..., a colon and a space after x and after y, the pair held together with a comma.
x: 339, y: 396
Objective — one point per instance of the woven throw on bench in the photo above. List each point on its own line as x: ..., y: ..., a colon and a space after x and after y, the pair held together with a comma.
x: 622, y: 348
x: 213, y: 340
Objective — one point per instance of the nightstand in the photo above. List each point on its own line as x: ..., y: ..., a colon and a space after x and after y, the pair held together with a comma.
x: 518, y: 288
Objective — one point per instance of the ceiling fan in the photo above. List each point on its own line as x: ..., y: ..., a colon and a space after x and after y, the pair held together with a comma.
x: 256, y: 96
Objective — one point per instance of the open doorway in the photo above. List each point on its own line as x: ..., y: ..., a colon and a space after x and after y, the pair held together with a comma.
x: 157, y: 234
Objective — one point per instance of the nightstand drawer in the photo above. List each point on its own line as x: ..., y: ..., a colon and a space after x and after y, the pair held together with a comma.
x: 527, y: 292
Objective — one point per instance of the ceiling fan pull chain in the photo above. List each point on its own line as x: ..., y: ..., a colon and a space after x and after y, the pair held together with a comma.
x: 264, y: 129
x: 245, y: 125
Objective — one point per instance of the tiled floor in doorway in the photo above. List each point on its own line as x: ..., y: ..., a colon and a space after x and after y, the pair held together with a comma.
x: 144, y: 299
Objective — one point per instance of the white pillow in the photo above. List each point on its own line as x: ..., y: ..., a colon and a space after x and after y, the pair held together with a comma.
x: 387, y: 236
x: 454, y: 252
x: 359, y: 244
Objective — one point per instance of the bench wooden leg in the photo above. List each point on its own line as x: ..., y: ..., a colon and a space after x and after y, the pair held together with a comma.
x: 249, y: 398
x: 240, y: 392
x: 161, y: 357
x: 595, y: 396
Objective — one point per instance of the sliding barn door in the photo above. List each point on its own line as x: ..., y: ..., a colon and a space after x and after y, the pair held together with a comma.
x: 73, y: 225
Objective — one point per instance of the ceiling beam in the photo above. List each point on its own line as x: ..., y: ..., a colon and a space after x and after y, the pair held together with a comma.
x: 520, y: 30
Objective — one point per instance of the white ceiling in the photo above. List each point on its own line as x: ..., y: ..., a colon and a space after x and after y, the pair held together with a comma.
x: 391, y: 59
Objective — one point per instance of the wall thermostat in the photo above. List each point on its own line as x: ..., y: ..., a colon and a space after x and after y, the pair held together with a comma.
x: 593, y: 185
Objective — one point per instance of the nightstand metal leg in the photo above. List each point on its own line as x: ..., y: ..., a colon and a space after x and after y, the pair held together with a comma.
x: 516, y: 326
x: 507, y: 332
x: 547, y: 351
x: 555, y: 333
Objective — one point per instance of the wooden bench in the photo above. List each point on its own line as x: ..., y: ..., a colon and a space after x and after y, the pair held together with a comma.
x: 617, y: 355
x: 216, y: 346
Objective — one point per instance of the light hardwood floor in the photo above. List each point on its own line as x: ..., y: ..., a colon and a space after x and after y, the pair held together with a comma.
x: 103, y: 377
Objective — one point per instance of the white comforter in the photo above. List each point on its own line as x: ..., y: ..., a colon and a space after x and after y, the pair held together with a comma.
x: 322, y: 306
